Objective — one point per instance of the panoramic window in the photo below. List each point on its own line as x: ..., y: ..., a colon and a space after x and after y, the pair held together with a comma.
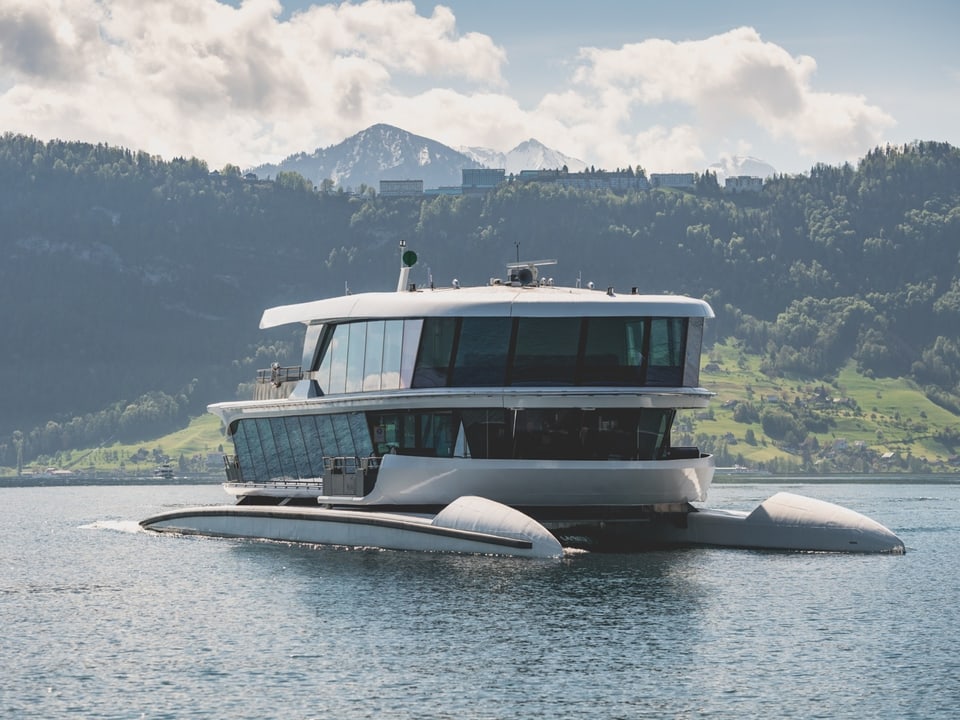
x: 482, y: 352
x: 368, y: 356
x: 546, y: 351
x: 425, y: 434
x: 436, y: 346
x: 665, y: 367
x: 294, y: 447
x: 373, y: 355
x: 613, y: 351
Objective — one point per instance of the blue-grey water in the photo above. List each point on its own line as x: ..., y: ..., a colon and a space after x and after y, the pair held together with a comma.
x: 100, y: 620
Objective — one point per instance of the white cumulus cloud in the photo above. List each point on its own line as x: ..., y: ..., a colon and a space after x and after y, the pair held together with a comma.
x: 733, y: 83
x: 247, y: 84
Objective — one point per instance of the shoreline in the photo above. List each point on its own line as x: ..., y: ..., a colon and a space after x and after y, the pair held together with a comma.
x: 720, y: 478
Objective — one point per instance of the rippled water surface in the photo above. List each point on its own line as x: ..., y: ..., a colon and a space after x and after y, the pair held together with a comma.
x: 101, y: 620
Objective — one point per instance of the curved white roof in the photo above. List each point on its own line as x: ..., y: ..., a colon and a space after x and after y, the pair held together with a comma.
x: 486, y: 301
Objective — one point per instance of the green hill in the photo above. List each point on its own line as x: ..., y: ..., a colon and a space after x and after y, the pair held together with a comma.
x: 192, y: 450
x: 847, y: 423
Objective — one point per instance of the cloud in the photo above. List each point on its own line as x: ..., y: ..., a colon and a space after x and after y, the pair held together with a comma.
x: 227, y: 84
x: 730, y: 83
x: 37, y: 42
x: 246, y: 84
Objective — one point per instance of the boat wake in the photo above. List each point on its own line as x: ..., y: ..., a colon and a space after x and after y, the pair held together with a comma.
x: 131, y: 527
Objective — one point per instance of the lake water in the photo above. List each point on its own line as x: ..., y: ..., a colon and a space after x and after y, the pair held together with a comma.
x: 100, y: 620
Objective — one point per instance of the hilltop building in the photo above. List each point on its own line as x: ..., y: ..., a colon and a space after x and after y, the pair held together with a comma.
x: 743, y: 183
x: 401, y: 188
x: 481, y: 180
x: 681, y: 181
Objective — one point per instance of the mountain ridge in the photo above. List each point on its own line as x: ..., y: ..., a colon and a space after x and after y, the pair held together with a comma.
x: 380, y: 152
x: 386, y: 152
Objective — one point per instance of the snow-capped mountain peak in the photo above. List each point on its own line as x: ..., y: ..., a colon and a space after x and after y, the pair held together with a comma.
x: 529, y: 155
x: 736, y: 165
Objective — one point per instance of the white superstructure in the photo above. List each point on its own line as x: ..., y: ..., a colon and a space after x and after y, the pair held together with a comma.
x: 557, y: 401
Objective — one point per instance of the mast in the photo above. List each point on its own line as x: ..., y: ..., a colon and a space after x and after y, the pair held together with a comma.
x: 408, y: 258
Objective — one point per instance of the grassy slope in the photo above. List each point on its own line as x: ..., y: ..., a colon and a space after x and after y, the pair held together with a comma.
x: 886, y: 414
x: 200, y: 437
x: 894, y: 416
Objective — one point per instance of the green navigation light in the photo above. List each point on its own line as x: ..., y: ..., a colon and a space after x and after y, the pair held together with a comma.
x: 409, y: 258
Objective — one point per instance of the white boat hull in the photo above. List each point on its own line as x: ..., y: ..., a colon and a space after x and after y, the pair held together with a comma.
x: 416, y: 481
x: 468, y: 525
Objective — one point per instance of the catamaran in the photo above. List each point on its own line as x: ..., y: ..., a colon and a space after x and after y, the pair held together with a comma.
x: 475, y: 418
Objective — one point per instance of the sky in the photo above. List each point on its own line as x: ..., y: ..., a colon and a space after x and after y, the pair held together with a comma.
x: 671, y: 86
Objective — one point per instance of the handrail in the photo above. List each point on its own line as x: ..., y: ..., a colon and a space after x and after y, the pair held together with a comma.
x: 277, y: 375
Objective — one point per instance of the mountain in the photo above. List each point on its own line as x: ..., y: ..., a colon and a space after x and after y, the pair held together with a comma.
x: 381, y: 152
x: 385, y: 152
x: 735, y: 165
x: 529, y: 155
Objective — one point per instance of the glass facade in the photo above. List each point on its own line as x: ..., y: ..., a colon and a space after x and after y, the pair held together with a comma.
x: 294, y: 448
x: 368, y: 356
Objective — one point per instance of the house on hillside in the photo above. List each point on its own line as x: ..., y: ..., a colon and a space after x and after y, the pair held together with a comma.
x: 401, y: 188
x: 742, y: 184
x: 682, y: 181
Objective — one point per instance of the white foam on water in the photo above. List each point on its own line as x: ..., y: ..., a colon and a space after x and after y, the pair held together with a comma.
x: 125, y: 526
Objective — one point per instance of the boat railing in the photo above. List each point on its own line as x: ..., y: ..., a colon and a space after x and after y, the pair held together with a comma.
x: 231, y: 464
x: 277, y: 381
x: 278, y: 374
x: 342, y: 475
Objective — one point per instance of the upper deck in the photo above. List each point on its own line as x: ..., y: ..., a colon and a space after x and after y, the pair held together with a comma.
x: 496, y: 300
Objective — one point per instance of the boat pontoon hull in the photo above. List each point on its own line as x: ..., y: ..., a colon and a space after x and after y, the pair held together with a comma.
x: 787, y: 521
x: 468, y: 525
x: 477, y: 525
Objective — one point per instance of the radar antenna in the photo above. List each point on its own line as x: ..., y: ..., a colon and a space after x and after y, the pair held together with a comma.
x: 526, y: 272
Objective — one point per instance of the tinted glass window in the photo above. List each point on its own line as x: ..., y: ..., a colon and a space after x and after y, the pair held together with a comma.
x: 328, y: 440
x: 281, y: 438
x: 268, y: 448
x: 613, y: 352
x: 355, y: 356
x: 665, y: 367
x: 488, y: 433
x: 411, y: 341
x: 341, y: 428
x: 361, y: 434
x: 392, y: 353
x: 298, y: 449
x: 436, y: 345
x: 311, y: 443
x: 546, y: 351
x: 337, y: 354
x: 373, y: 358
x: 482, y: 352
x: 244, y: 452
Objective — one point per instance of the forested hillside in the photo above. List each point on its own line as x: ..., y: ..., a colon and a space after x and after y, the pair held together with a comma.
x: 132, y: 286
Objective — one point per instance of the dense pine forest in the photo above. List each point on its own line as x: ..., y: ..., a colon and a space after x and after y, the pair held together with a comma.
x: 132, y: 286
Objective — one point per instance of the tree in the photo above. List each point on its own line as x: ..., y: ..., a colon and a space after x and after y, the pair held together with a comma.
x: 18, y: 444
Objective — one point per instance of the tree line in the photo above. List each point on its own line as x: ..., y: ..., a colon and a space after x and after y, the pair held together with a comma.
x: 127, y: 280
